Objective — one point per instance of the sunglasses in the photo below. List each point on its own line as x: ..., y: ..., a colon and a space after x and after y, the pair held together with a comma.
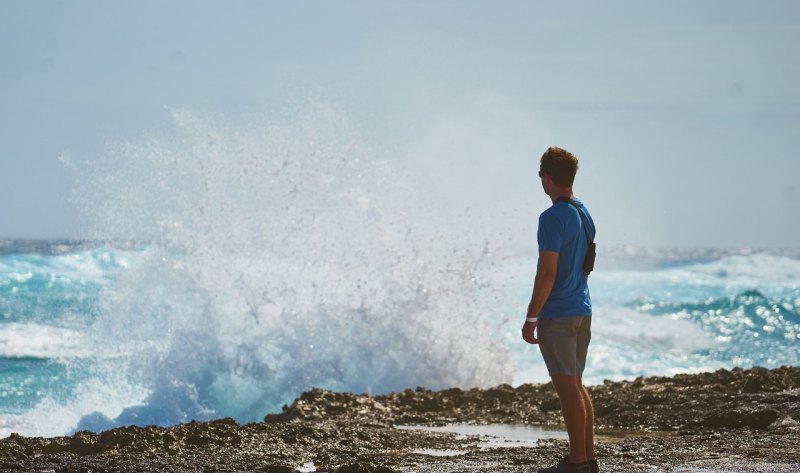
x: 541, y: 174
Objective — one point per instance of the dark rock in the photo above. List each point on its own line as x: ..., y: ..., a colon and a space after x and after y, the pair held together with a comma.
x: 352, y: 429
x: 406, y: 397
x: 406, y: 419
x: 85, y: 443
x: 550, y: 404
x: 197, y: 440
x: 650, y: 399
x: 605, y: 408
x: 364, y: 468
x: 121, y: 437
x: 753, y: 384
x: 226, y: 421
x: 54, y: 447
x: 726, y: 418
x: 276, y: 469
x: 502, y: 392
x: 429, y: 404
x: 16, y: 438
x: 794, y: 411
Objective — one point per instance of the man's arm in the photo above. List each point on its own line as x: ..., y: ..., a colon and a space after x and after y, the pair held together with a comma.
x: 545, y: 277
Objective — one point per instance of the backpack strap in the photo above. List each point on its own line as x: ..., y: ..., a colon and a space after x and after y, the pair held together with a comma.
x: 567, y: 200
x: 588, y: 260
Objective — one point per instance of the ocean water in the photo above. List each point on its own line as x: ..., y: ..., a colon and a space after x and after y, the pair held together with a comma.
x: 92, y: 336
x: 228, y: 269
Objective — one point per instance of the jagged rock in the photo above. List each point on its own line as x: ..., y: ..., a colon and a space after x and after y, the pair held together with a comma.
x: 650, y: 399
x: 276, y: 469
x: 364, y: 468
x: 84, y: 443
x: 757, y: 419
x: 550, y: 404
x: 355, y: 430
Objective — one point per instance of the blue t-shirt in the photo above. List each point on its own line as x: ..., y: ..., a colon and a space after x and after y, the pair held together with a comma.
x: 561, y: 231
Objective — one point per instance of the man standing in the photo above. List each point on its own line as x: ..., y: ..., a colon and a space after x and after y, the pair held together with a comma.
x: 560, y: 309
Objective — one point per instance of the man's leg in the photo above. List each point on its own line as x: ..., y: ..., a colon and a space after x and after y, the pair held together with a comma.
x: 582, y: 346
x: 589, y: 436
x: 573, y: 406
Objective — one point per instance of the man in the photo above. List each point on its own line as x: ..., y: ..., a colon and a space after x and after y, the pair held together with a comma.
x: 560, y: 309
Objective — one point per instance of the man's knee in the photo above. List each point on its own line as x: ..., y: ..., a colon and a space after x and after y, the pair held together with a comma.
x: 567, y: 385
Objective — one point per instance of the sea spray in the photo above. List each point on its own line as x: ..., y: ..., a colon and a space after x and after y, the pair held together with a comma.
x: 229, y: 268
x: 275, y: 258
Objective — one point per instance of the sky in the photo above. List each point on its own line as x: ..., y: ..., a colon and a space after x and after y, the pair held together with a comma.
x: 685, y: 115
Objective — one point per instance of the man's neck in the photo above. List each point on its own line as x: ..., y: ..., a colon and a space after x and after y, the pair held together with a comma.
x: 561, y: 192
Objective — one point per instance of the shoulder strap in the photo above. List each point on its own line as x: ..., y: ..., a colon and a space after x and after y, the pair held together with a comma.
x: 567, y: 200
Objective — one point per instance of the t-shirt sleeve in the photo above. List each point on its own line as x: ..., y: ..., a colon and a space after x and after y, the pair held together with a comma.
x: 549, y: 234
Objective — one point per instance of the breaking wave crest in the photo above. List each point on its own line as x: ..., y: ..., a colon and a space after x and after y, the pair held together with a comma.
x: 277, y: 257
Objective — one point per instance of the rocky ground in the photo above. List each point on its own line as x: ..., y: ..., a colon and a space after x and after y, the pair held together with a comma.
x: 726, y: 421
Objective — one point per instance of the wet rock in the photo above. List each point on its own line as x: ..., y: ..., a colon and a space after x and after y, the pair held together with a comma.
x: 81, y: 443
x: 276, y: 469
x: 793, y: 411
x: 668, y: 403
x: 753, y: 384
x: 406, y: 419
x: 117, y: 438
x: 756, y: 419
x: 364, y: 468
x: 550, y: 404
x: 649, y: 399
x: 356, y: 430
x: 197, y: 440
x: 84, y: 443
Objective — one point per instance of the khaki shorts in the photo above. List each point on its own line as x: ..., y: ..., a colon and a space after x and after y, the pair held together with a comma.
x: 564, y: 342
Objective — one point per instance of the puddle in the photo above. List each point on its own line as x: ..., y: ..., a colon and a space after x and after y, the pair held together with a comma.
x: 519, y: 435
x: 307, y: 468
x: 496, y: 435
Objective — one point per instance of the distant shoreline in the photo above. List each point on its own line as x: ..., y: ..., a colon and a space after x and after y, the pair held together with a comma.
x: 615, y: 253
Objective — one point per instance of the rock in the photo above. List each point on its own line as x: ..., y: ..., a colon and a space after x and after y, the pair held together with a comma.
x: 756, y: 419
x: 84, y: 443
x: 54, y: 447
x: 550, y: 404
x: 753, y: 384
x: 225, y: 421
x: 794, y: 411
x: 650, y: 399
x: 708, y: 410
x: 197, y: 440
x: 276, y: 469
x: 364, y: 468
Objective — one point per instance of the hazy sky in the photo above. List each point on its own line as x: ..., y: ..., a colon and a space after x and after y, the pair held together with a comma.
x: 685, y: 114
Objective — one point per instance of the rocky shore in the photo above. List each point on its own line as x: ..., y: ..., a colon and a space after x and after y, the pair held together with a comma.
x: 726, y: 421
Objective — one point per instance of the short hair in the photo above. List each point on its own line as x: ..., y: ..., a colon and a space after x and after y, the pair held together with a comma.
x: 560, y: 165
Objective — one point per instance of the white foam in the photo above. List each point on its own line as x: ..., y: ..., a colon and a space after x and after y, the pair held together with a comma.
x: 773, y: 274
x: 84, y: 266
x: 284, y: 257
x: 752, y: 270
x: 20, y: 340
x: 644, y: 332
x: 106, y: 394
